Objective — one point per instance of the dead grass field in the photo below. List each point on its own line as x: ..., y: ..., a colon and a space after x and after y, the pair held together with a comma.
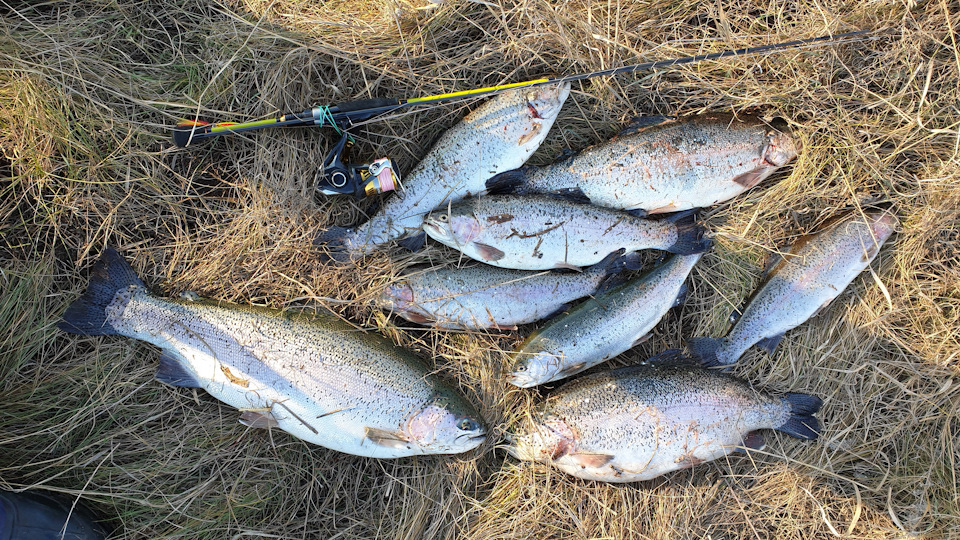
x: 89, y: 90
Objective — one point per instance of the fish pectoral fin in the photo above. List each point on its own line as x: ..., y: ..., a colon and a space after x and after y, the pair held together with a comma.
x: 592, y: 460
x: 752, y: 441
x: 415, y: 317
x: 388, y: 439
x: 672, y: 207
x: 488, y: 252
x: 641, y: 339
x: 822, y: 308
x: 259, y: 419
x: 752, y: 178
x: 770, y: 344
x: 172, y: 371
x: 528, y: 136
x: 575, y: 368
x: 566, y: 266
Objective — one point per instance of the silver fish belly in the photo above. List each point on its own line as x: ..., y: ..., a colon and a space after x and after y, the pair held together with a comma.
x: 315, y: 377
x: 813, y: 272
x: 599, y: 328
x: 639, y: 422
x: 500, y: 135
x: 693, y: 163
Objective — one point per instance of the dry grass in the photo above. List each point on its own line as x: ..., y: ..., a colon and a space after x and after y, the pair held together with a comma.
x: 89, y: 89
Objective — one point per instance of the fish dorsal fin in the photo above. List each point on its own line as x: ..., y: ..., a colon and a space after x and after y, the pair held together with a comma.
x: 672, y: 358
x: 641, y: 123
x: 784, y: 253
x: 573, y: 194
x: 589, y: 459
x: 775, y: 261
x: 172, y: 371
x: 564, y: 155
x: 387, y: 439
x: 190, y: 296
x: 259, y: 419
x: 507, y: 182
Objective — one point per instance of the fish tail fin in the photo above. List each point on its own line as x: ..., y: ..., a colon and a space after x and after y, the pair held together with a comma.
x: 612, y: 266
x: 88, y: 314
x: 626, y: 261
x: 691, y: 236
x: 617, y: 262
x: 507, y: 182
x: 704, y: 350
x: 334, y: 241
x: 802, y: 424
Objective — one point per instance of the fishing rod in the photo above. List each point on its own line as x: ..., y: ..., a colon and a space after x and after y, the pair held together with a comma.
x: 379, y: 176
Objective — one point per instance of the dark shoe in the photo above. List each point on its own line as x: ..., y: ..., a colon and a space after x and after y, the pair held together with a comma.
x: 33, y: 516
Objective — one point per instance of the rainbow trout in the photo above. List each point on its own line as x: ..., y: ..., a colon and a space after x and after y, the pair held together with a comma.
x: 814, y: 271
x: 601, y: 327
x: 539, y: 232
x: 313, y: 376
x: 639, y: 422
x: 694, y: 163
x: 498, y: 136
x: 482, y: 296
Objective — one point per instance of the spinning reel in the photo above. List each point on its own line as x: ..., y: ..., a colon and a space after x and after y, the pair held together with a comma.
x: 359, y: 180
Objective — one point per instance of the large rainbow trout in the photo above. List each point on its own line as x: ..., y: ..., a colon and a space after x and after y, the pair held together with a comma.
x: 694, y: 163
x: 814, y: 271
x: 639, y: 422
x: 313, y: 376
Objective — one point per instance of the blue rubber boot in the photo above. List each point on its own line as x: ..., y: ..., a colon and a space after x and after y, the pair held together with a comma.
x: 32, y: 516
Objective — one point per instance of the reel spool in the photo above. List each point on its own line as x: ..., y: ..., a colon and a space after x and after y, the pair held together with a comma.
x: 364, y: 180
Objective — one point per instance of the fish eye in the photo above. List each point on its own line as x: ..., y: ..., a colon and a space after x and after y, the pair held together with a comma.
x: 521, y: 367
x: 442, y: 218
x: 467, y: 425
